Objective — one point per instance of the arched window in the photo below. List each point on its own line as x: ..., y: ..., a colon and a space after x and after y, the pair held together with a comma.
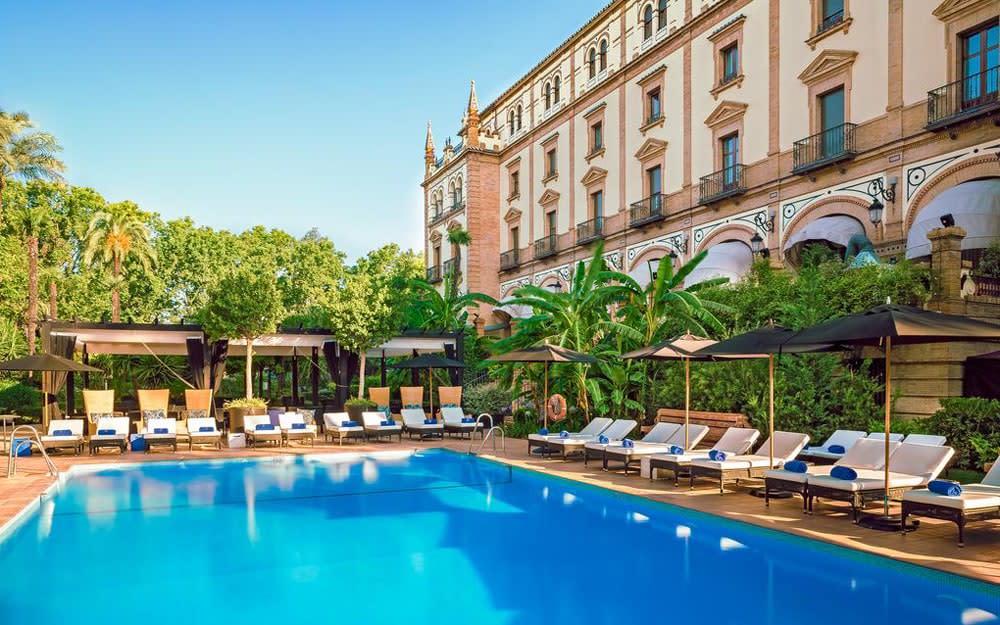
x: 451, y: 193
x: 510, y: 122
x: 519, y: 115
x: 661, y: 13
x: 555, y: 90
x: 647, y: 22
x: 459, y: 194
x: 548, y: 96
x: 592, y: 62
x: 604, y: 55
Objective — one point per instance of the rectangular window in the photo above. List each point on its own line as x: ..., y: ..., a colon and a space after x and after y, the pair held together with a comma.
x: 550, y: 223
x: 653, y: 106
x: 597, y: 204
x: 831, y: 14
x: 729, y: 148
x: 437, y: 256
x: 515, y: 183
x: 550, y: 162
x: 515, y: 238
x: 597, y: 137
x: 730, y: 63
x: 980, y: 63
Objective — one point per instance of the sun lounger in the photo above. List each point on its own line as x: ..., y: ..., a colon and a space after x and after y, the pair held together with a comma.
x: 865, y: 453
x: 926, y: 439
x: 376, y: 425
x: 734, y: 441
x: 203, y: 431
x: 977, y: 502
x: 415, y: 421
x: 658, y: 434
x: 160, y: 432
x: 627, y: 455
x: 822, y: 454
x: 110, y: 432
x: 880, y: 436
x: 294, y: 428
x: 787, y: 445
x: 64, y: 434
x: 259, y: 429
x: 334, y: 426
x: 456, y: 421
x: 589, y: 431
x: 911, y: 466
x: 619, y: 429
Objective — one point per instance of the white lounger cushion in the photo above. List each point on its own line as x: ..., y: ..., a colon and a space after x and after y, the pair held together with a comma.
x: 968, y: 500
x: 170, y: 425
x: 787, y: 445
x: 288, y: 419
x: 733, y: 441
x: 196, y: 423
x: 643, y: 448
x: 453, y: 415
x: 910, y: 465
x: 373, y: 421
x: 866, y: 453
x: 590, y: 431
x: 926, y: 439
x: 250, y: 423
x: 615, y: 432
x: 844, y: 438
x: 73, y: 425
x: 333, y: 421
x: 993, y: 477
x: 661, y: 433
x: 868, y: 479
x: 119, y: 424
x: 414, y: 418
x: 695, y: 435
x: 880, y: 436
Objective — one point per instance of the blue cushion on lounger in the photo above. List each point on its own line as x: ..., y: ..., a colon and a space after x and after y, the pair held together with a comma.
x: 945, y: 487
x: 837, y: 449
x: 348, y: 424
x: 564, y: 434
x: 468, y: 420
x: 843, y: 473
x: 430, y: 421
x: 602, y: 439
x: 677, y: 451
x: 796, y: 466
x: 264, y: 427
x: 544, y: 431
x: 206, y: 428
x: 717, y: 455
x: 105, y: 432
x: 628, y: 443
x: 62, y: 433
x: 298, y: 426
x: 160, y: 431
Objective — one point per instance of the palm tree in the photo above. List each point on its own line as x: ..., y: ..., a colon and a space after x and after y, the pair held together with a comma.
x: 26, y: 154
x: 447, y: 311
x: 113, y: 237
x: 459, y: 238
x: 29, y: 222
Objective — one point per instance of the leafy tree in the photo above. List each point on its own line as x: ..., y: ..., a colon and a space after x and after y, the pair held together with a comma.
x: 25, y: 153
x: 244, y: 304
x: 112, y: 237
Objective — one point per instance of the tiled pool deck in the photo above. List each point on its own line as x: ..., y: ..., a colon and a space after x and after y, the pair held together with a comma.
x: 933, y: 545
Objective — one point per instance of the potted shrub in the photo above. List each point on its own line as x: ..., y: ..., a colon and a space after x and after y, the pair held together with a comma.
x: 356, y: 405
x: 239, y: 408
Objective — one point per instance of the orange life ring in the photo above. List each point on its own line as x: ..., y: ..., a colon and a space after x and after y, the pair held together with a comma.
x: 556, y: 407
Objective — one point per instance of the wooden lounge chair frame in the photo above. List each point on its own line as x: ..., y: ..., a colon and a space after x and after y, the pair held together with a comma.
x: 857, y: 498
x: 957, y: 516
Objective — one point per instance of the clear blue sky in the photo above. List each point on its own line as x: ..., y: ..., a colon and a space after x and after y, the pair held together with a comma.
x: 288, y: 114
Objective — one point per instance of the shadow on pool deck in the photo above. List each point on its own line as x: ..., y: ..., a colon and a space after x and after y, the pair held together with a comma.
x: 933, y: 545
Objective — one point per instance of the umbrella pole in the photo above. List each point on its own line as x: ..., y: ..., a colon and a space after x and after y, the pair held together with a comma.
x: 770, y: 409
x: 430, y: 376
x: 687, y: 400
x: 45, y: 400
x: 888, y: 417
x: 545, y: 399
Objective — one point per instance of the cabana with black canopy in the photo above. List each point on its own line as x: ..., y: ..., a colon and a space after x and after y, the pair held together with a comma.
x: 545, y: 353
x: 886, y: 326
x: 46, y: 364
x: 430, y: 362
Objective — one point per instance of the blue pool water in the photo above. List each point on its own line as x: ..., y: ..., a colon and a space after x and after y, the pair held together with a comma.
x: 434, y: 537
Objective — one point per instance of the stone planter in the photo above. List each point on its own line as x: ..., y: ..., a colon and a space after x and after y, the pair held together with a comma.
x: 355, y: 412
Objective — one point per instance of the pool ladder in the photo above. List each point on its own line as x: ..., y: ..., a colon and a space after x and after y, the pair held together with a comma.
x: 490, y: 434
x: 33, y: 439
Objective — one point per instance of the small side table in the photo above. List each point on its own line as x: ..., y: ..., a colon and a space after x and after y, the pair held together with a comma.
x: 7, y: 427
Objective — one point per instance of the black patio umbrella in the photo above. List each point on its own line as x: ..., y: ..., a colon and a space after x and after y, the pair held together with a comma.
x: 430, y: 362
x: 45, y: 363
x: 767, y: 341
x: 545, y: 353
x: 893, y: 324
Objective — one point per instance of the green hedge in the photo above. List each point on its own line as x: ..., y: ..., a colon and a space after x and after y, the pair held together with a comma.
x: 972, y: 425
x: 19, y: 398
x: 488, y: 398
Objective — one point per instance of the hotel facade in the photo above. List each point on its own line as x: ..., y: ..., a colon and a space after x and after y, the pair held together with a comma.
x: 737, y: 127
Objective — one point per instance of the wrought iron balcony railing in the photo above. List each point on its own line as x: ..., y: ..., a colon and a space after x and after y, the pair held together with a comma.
x: 833, y: 145
x: 546, y: 246
x: 830, y: 21
x: 724, y: 183
x: 450, y: 267
x: 434, y: 274
x: 509, y: 260
x: 590, y: 230
x: 646, y: 211
x: 964, y: 99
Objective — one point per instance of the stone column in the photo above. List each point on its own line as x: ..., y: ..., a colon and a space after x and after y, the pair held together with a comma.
x: 946, y: 263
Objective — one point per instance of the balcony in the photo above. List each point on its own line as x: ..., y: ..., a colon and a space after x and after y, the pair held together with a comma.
x: 646, y: 211
x: 724, y: 183
x: 456, y: 207
x: 546, y: 246
x: 963, y: 99
x: 833, y: 145
x: 830, y: 21
x: 434, y: 274
x: 509, y: 260
x: 451, y: 267
x: 590, y: 230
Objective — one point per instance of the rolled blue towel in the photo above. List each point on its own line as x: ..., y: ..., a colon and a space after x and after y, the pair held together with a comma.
x: 945, y: 487
x: 263, y: 427
x: 796, y: 466
x: 298, y: 426
x: 843, y: 473
x: 105, y: 432
x: 628, y: 443
x: 62, y: 433
x: 677, y: 451
x: 837, y: 449
x: 348, y: 424
x: 602, y: 439
x: 206, y: 428
x: 430, y: 421
x: 717, y: 455
x: 564, y: 434
x: 386, y: 423
x: 160, y: 431
x: 544, y: 431
x: 468, y: 420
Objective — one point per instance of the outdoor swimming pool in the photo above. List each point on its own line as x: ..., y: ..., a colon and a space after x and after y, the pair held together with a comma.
x: 433, y: 537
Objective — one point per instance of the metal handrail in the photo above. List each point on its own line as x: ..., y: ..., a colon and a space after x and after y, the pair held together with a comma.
x: 37, y: 441
x: 479, y: 420
x: 489, y: 435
